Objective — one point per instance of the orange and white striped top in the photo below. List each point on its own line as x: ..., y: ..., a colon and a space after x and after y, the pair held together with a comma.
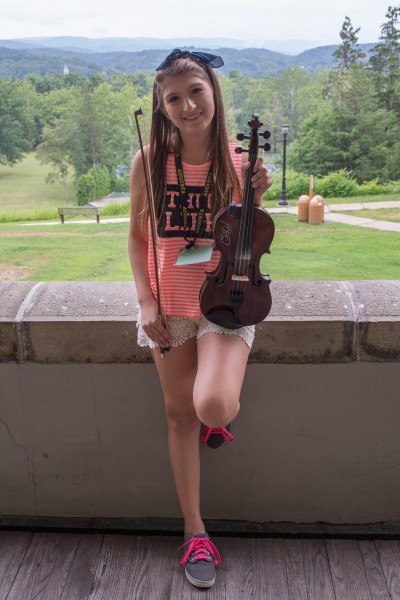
x: 181, y: 284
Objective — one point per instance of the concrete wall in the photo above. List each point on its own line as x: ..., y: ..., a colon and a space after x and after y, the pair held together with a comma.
x: 83, y: 431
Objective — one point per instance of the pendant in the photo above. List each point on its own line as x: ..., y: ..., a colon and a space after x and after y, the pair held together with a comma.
x: 194, y: 255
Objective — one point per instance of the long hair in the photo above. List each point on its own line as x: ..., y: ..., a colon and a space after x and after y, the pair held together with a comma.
x: 163, y: 133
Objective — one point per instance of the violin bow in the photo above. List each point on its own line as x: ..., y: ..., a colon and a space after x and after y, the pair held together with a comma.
x: 153, y: 225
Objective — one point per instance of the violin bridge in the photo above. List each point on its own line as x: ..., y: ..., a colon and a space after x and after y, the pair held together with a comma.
x: 240, y: 278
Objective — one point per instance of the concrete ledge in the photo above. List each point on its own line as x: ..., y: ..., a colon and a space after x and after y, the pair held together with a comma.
x: 85, y: 322
x: 83, y: 432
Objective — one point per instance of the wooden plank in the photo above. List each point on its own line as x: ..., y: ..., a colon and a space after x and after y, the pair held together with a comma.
x: 296, y: 578
x: 347, y: 570
x: 163, y: 565
x: 13, y: 546
x: 235, y: 573
x: 113, y: 568
x: 390, y: 566
x: 48, y: 566
x: 83, y: 570
x: 373, y: 570
x: 140, y: 567
x: 269, y: 569
x: 316, y: 568
x: 45, y: 567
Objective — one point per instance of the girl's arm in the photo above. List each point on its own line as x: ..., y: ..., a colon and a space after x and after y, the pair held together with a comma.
x: 138, y: 248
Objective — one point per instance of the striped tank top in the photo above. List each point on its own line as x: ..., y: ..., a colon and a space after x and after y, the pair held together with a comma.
x: 181, y: 284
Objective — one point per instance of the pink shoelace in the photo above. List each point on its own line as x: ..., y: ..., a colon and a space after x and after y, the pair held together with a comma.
x: 207, y: 431
x: 201, y: 548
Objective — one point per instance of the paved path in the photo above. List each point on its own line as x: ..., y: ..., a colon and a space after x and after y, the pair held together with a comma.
x: 331, y: 215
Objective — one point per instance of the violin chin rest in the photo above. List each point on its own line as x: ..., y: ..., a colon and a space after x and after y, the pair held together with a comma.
x: 223, y: 318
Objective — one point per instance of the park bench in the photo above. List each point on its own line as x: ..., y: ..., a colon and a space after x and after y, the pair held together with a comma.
x: 85, y: 211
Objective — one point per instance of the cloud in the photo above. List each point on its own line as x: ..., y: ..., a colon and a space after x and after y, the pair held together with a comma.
x: 253, y: 19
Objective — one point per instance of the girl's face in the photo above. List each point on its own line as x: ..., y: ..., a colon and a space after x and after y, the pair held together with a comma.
x: 188, y: 101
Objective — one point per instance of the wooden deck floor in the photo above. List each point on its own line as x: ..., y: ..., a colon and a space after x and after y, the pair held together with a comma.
x: 74, y: 566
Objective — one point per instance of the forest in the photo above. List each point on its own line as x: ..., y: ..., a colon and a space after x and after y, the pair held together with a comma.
x: 343, y: 118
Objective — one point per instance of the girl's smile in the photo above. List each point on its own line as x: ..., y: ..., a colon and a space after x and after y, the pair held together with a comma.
x: 188, y: 101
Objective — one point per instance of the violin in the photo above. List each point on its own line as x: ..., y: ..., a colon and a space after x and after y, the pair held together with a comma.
x: 236, y: 293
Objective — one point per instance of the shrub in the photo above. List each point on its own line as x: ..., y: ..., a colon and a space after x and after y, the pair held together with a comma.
x: 296, y: 185
x: 84, y: 187
x: 394, y: 187
x: 120, y: 182
x: 116, y: 208
x: 339, y: 184
x: 93, y: 185
x: 371, y: 188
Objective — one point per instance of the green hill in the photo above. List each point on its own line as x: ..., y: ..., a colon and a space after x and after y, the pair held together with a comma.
x: 253, y: 62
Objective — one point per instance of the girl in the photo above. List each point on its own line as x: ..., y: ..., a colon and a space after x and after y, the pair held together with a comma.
x: 202, y: 374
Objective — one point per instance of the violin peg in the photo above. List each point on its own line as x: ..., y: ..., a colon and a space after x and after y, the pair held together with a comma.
x: 266, y: 135
x: 266, y: 147
x: 240, y: 150
x: 240, y: 136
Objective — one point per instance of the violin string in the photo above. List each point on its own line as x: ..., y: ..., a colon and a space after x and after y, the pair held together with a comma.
x: 249, y: 210
x: 248, y: 218
x: 243, y: 230
x: 240, y: 261
x: 238, y: 264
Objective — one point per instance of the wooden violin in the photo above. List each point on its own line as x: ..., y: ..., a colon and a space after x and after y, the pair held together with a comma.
x: 237, y: 293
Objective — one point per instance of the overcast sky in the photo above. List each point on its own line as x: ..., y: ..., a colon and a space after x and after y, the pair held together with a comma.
x: 319, y: 20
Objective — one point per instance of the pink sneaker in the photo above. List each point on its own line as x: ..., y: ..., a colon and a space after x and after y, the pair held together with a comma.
x: 215, y: 437
x: 200, y: 560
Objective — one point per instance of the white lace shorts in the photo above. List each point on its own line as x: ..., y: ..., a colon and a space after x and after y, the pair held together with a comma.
x: 182, y: 329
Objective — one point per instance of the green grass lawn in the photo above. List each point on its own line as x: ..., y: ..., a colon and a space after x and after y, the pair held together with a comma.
x: 93, y: 252
x: 67, y: 252
x: 23, y: 187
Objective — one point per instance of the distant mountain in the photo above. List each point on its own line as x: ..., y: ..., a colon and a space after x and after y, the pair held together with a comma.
x: 253, y: 62
x: 22, y: 63
x: 322, y: 57
x: 122, y: 44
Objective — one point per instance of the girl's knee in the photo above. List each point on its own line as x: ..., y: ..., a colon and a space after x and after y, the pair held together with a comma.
x: 216, y: 410
x: 181, y: 421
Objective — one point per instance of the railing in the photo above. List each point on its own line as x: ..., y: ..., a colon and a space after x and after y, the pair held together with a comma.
x: 82, y: 426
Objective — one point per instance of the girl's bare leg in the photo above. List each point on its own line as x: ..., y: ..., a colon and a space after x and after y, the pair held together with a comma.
x: 222, y: 361
x: 201, y: 383
x: 177, y: 371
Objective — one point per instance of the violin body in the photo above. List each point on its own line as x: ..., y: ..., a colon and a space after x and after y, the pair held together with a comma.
x: 236, y: 293
x: 230, y: 297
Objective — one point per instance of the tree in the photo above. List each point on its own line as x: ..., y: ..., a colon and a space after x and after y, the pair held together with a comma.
x: 354, y: 134
x: 16, y: 122
x: 348, y: 54
x: 56, y: 150
x: 385, y: 61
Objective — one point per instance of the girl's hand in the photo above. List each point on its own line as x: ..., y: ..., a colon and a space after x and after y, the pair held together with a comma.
x: 261, y: 180
x: 152, y: 325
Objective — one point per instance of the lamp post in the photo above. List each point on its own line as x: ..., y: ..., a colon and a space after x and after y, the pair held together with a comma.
x: 283, y: 201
